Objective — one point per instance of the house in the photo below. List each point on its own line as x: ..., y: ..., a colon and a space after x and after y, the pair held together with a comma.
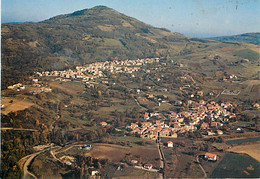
x: 211, y: 133
x: 202, y: 102
x: 158, y: 122
x: 169, y: 144
x: 204, y: 125
x: 216, y: 124
x: 210, y: 156
x: 220, y: 132
x: 148, y: 166
x: 133, y: 125
x: 134, y: 161
x: 68, y: 160
x: 200, y: 93
x: 165, y: 132
x: 10, y: 87
x: 150, y: 96
x: 87, y: 147
x: 93, y: 171
x: 103, y: 124
x: 146, y: 116
x: 164, y: 89
x: 256, y: 106
x: 174, y: 135
x: 35, y: 80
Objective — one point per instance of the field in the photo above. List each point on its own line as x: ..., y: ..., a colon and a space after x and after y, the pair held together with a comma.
x: 15, y: 105
x: 113, y: 153
x: 186, y: 167
x: 70, y: 87
x: 116, y: 153
x: 250, y: 149
x: 236, y: 165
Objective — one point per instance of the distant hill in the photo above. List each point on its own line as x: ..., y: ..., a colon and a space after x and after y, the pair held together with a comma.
x: 96, y: 34
x: 253, y: 38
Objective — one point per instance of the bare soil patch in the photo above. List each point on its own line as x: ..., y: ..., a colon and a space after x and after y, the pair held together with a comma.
x: 13, y: 105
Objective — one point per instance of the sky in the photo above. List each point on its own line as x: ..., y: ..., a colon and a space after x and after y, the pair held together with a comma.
x: 194, y: 18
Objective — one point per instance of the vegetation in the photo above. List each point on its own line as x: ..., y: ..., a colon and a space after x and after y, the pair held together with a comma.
x: 188, y: 73
x: 85, y: 36
x: 247, y: 38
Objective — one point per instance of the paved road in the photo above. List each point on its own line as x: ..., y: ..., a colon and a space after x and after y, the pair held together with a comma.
x: 205, y: 174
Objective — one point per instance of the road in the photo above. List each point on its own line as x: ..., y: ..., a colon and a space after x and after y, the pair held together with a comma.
x: 205, y: 174
x: 139, y: 104
x: 162, y: 159
x: 17, y: 129
x: 26, y: 173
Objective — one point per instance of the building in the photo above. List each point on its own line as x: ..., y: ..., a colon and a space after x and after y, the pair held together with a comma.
x: 169, y: 144
x: 87, y: 147
x: 148, y: 166
x: 103, y: 124
x: 210, y: 156
x: 93, y: 171
x: 220, y: 132
x: 204, y: 125
x: 146, y: 116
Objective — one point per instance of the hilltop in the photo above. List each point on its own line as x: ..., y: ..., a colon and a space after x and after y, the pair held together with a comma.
x: 252, y: 38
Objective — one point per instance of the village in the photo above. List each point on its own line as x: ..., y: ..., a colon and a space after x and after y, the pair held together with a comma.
x: 95, y: 70
x: 164, y: 117
x: 207, y: 116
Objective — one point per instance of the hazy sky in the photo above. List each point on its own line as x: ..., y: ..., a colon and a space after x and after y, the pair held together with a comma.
x: 196, y: 18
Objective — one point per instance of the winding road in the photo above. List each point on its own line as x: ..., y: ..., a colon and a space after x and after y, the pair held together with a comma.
x: 205, y: 174
x: 26, y: 173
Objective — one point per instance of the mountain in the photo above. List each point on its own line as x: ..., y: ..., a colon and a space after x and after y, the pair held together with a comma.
x: 96, y: 34
x: 101, y: 33
x: 253, y: 38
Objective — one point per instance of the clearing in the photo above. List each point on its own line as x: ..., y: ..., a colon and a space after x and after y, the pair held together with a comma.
x: 14, y: 104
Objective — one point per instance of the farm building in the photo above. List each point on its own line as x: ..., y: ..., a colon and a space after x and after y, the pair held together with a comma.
x: 169, y: 144
x: 210, y: 156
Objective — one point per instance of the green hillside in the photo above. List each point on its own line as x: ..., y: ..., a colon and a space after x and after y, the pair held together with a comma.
x: 95, y: 34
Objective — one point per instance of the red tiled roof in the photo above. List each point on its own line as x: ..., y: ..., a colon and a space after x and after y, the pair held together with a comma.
x: 211, y: 155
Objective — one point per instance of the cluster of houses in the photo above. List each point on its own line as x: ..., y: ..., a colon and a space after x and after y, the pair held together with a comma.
x: 215, y: 114
x: 95, y: 70
x: 18, y: 87
x: 151, y: 131
x: 36, y: 87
